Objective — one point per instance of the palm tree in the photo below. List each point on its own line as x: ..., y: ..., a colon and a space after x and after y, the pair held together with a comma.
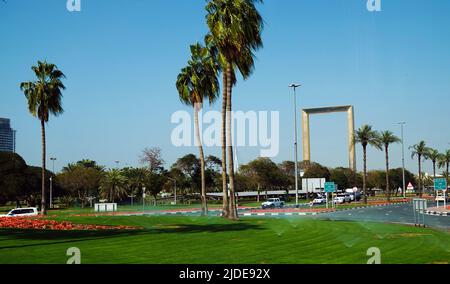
x: 433, y: 155
x: 388, y: 138
x: 113, y: 185
x: 444, y: 162
x: 366, y: 136
x: 235, y: 28
x: 419, y: 150
x: 196, y: 82
x: 44, y: 99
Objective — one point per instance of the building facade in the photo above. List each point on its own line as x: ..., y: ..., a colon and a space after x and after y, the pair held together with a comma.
x: 7, y: 136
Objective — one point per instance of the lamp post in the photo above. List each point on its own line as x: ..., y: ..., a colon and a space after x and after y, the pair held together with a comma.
x: 402, y: 124
x: 117, y: 164
x: 295, y: 86
x: 175, y: 190
x: 51, y: 182
x: 143, y: 199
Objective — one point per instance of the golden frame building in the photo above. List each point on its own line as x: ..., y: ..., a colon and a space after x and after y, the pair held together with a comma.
x: 351, y: 131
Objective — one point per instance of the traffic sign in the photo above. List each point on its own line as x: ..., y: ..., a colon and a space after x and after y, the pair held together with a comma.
x: 410, y: 186
x: 330, y: 187
x: 440, y: 184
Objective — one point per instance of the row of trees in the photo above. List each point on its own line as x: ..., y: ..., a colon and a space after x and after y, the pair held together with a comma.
x: 366, y: 136
x: 234, y: 35
x: 86, y: 181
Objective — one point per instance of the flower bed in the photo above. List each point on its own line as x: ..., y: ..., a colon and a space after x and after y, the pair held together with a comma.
x: 42, y: 224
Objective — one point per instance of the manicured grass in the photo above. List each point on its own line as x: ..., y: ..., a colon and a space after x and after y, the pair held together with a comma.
x: 195, y: 240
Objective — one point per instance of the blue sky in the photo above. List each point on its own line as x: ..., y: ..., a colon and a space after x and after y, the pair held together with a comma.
x: 122, y: 57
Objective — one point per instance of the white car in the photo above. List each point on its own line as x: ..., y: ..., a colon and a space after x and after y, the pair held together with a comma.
x: 22, y: 212
x: 340, y: 199
x: 319, y: 200
x: 272, y: 203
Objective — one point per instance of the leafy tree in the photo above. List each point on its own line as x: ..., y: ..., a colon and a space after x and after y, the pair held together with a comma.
x: 81, y: 180
x: 154, y: 183
x: 420, y: 151
x: 235, y: 30
x: 44, y: 98
x: 388, y: 138
x: 189, y: 165
x: 13, y: 179
x: 343, y: 177
x: 366, y: 136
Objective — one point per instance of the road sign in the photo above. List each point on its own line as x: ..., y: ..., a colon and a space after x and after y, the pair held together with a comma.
x: 440, y: 184
x: 410, y: 186
x: 330, y: 187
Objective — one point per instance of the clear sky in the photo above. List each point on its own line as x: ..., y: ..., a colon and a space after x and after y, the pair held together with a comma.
x: 122, y: 57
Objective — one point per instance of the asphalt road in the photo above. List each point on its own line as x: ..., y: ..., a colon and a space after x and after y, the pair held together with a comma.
x: 394, y: 214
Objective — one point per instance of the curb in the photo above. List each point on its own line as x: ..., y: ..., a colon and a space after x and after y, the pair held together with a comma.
x: 434, y: 213
x: 316, y: 213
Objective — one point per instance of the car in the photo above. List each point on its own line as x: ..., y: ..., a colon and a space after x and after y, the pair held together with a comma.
x: 22, y: 212
x: 272, y: 203
x: 341, y: 199
x: 319, y: 200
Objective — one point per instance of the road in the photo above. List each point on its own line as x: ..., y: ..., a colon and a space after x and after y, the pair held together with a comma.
x: 394, y: 214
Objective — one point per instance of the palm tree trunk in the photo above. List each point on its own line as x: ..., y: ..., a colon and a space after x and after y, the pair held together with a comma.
x: 388, y: 190
x: 202, y: 161
x: 43, y: 207
x: 225, y: 210
x: 232, y: 205
x: 434, y: 169
x: 420, y: 176
x: 365, y: 173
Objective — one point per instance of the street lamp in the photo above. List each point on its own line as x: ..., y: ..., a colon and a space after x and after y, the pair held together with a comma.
x: 51, y: 182
x: 117, y: 164
x: 175, y: 190
x: 402, y: 124
x: 295, y: 86
x: 143, y: 199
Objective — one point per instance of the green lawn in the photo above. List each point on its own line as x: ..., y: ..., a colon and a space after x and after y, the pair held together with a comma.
x: 194, y: 240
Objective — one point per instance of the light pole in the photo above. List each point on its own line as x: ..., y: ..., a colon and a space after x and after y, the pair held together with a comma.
x: 143, y: 199
x: 402, y: 124
x: 295, y: 86
x: 117, y: 164
x: 175, y: 190
x: 51, y: 182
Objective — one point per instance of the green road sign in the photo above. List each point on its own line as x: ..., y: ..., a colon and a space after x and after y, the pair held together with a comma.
x: 440, y: 184
x: 330, y: 187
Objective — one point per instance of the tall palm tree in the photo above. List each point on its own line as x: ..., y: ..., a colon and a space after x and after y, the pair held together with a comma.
x: 113, y: 185
x: 44, y: 99
x: 213, y: 50
x: 444, y: 162
x: 433, y: 155
x: 196, y: 82
x: 235, y: 27
x: 365, y: 135
x: 420, y: 151
x: 388, y: 138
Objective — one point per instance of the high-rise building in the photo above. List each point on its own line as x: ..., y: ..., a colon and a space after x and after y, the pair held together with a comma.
x: 7, y: 136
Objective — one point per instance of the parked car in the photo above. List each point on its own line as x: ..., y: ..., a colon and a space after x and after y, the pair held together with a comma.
x: 272, y: 203
x: 341, y: 199
x: 22, y: 212
x: 319, y: 201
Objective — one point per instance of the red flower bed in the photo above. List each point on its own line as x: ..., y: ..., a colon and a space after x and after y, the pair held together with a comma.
x: 42, y: 224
